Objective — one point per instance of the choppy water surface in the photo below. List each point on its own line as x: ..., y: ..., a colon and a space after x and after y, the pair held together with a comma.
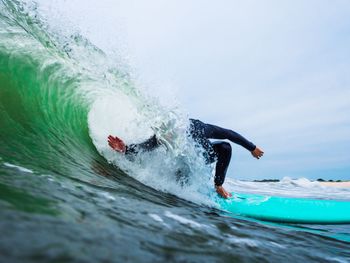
x: 113, y: 217
x: 63, y: 197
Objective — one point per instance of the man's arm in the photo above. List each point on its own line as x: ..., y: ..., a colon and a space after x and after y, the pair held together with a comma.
x: 118, y: 145
x: 148, y: 145
x: 240, y: 140
x: 215, y: 132
x: 235, y: 137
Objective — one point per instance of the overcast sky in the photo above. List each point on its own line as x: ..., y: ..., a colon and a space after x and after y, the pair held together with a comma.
x: 276, y: 71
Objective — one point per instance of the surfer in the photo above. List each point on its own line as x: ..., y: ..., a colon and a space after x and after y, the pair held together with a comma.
x: 219, y: 151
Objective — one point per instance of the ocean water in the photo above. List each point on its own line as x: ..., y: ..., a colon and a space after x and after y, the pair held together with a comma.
x: 66, y: 197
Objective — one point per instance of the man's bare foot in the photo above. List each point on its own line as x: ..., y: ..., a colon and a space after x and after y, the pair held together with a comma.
x: 257, y: 153
x: 116, y: 144
x: 221, y: 191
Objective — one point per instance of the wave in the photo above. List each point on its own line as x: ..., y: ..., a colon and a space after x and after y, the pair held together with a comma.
x: 61, y: 97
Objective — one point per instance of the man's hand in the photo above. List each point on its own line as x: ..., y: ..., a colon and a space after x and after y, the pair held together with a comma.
x: 258, y: 153
x: 116, y: 144
x: 221, y: 191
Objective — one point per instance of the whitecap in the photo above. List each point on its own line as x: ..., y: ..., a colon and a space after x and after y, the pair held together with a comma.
x: 22, y: 169
x: 156, y: 217
x: 107, y: 196
x: 182, y: 220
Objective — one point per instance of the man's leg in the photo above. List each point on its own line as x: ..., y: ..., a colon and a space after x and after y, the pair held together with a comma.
x: 223, y: 152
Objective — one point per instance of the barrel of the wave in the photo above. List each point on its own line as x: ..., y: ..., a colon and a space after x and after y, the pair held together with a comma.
x: 287, y: 210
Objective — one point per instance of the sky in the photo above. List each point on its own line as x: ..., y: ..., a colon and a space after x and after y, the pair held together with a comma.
x: 278, y: 72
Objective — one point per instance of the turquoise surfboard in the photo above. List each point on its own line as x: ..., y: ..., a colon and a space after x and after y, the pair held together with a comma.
x: 287, y: 210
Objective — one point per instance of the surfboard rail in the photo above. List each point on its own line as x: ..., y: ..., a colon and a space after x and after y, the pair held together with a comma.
x: 287, y: 210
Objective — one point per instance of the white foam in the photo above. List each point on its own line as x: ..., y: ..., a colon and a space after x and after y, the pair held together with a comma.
x: 116, y: 114
x: 302, y: 182
x: 300, y: 187
x: 244, y: 241
x: 107, y: 196
x: 22, y: 169
x: 182, y: 220
x: 156, y: 218
x: 135, y: 119
x: 277, y: 245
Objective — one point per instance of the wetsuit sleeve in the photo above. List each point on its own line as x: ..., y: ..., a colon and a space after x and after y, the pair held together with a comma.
x: 240, y: 140
x: 216, y: 132
x: 147, y: 145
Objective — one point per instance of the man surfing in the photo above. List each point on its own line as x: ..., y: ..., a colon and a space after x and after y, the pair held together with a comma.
x: 218, y: 151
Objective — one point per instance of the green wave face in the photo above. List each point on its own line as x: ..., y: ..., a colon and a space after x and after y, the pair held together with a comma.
x: 54, y: 91
x: 43, y: 116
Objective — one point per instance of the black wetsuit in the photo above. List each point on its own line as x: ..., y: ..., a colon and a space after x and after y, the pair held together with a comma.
x: 213, y: 151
